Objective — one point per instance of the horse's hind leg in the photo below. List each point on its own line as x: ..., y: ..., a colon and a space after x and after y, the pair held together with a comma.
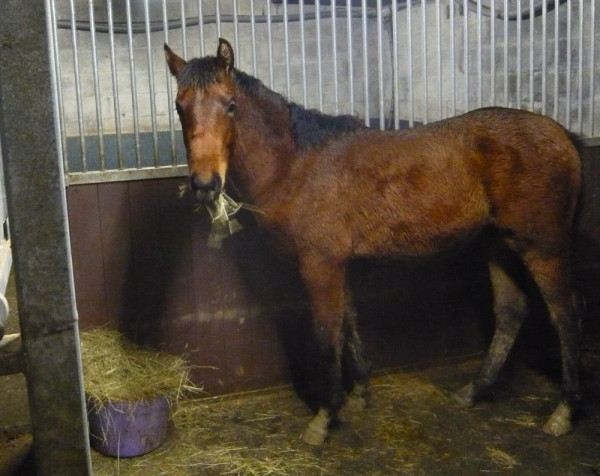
x: 553, y: 276
x: 510, y: 307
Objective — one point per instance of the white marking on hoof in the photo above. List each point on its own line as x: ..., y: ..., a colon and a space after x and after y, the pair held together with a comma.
x: 316, y: 432
x: 559, y: 422
x: 464, y: 397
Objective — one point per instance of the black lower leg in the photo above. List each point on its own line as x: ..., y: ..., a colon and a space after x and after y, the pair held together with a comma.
x: 569, y: 332
x: 331, y: 388
x: 357, y: 367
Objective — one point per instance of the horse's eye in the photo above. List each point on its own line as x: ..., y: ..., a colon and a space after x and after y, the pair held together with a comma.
x: 179, y: 109
x: 231, y: 107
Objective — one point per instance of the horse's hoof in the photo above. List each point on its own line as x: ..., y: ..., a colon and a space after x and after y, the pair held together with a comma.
x: 559, y: 422
x: 465, y: 397
x: 316, y: 431
x: 356, y: 402
x: 314, y: 435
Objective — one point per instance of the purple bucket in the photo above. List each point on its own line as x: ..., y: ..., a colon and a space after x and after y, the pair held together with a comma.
x: 126, y: 429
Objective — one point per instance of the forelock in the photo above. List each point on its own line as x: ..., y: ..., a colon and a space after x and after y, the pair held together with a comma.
x: 199, y: 73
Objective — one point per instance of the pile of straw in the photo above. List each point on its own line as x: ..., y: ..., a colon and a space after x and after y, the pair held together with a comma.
x: 114, y: 369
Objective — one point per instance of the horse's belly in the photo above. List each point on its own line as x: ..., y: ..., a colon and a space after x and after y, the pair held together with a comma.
x: 421, y: 236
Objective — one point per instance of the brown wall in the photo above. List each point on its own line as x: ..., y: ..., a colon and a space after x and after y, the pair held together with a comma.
x: 142, y: 265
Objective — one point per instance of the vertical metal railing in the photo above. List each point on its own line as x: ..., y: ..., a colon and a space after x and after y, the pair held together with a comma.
x: 394, y: 63
x: 133, y: 82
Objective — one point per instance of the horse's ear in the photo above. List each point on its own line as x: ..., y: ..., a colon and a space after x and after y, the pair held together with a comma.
x: 225, y: 55
x: 176, y: 64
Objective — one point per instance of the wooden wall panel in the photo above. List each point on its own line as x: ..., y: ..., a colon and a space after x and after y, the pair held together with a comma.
x: 87, y: 255
x: 113, y: 205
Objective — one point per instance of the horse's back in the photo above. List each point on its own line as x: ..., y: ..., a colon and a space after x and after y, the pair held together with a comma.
x: 425, y: 190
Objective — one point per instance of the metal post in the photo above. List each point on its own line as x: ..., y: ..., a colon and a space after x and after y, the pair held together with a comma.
x: 37, y: 212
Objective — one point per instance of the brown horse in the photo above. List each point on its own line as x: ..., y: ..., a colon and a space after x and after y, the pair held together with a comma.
x: 331, y: 190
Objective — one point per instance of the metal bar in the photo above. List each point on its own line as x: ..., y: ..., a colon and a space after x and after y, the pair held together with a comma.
x: 479, y: 57
x: 151, y: 82
x: 568, y: 70
x: 493, y: 53
x: 218, y: 17
x: 201, y: 28
x: 409, y: 68
x: 40, y: 241
x: 365, y: 63
x: 319, y: 53
x: 184, y: 35
x: 452, y: 61
x: 505, y: 59
x: 438, y: 27
x: 286, y: 38
x: 531, y: 54
x: 78, y: 94
x: 380, y: 67
x: 592, y: 15
x: 115, y: 84
x: 350, y: 50
x: 236, y: 25
x: 253, y: 36
x: 96, y: 86
x: 169, y: 89
x: 466, y: 54
x: 123, y: 175
x: 59, y: 91
x: 270, y: 43
x: 395, y: 70
x: 580, y: 70
x: 424, y: 59
x: 519, y: 43
x: 336, y: 93
x: 556, y: 63
x: 544, y: 55
x: 134, y: 98
x: 303, y: 54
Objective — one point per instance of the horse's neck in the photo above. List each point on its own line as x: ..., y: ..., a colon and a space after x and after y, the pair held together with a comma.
x: 264, y: 149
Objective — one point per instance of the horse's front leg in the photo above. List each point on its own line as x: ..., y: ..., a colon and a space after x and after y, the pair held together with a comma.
x: 324, y: 280
x: 358, y: 367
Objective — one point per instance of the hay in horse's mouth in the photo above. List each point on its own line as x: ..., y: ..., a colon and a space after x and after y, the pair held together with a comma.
x: 221, y: 212
x: 223, y: 208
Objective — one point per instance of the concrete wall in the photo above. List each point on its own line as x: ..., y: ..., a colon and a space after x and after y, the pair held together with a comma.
x: 434, y: 94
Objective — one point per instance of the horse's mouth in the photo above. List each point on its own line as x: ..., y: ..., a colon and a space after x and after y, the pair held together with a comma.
x: 207, y: 197
x: 206, y: 190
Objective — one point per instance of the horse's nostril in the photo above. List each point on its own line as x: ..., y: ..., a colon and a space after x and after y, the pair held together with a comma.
x: 213, y: 185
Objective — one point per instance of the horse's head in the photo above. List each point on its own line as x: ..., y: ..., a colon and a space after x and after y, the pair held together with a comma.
x: 206, y: 104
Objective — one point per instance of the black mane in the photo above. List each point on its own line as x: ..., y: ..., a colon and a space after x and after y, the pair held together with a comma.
x: 309, y: 127
x: 312, y: 128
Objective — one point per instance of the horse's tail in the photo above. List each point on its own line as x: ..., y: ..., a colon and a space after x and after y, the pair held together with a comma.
x: 577, y: 141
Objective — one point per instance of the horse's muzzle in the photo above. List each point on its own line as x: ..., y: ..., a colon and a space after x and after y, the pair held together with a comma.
x: 206, y: 191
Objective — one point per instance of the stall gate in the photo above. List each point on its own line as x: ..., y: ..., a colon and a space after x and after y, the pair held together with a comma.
x: 395, y: 63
